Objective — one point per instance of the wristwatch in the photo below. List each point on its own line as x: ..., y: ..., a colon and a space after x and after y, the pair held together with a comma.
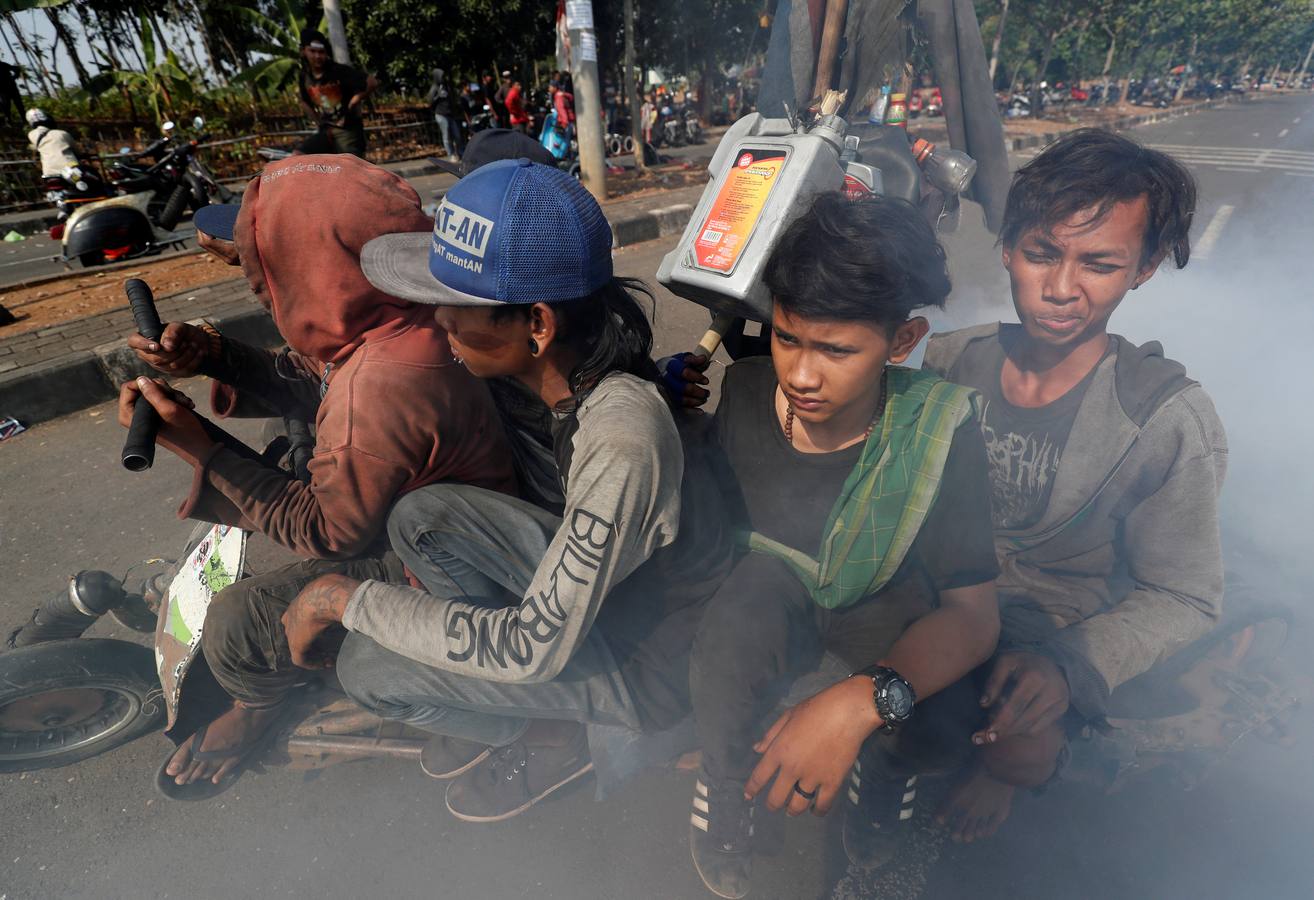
x: 894, y: 697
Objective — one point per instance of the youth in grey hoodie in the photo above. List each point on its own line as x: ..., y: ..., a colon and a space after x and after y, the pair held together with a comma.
x: 1124, y: 567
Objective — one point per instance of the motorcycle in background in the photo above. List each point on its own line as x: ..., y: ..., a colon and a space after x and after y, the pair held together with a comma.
x: 117, y: 219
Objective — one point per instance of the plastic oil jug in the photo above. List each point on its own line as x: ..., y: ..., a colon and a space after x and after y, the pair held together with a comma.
x: 764, y: 175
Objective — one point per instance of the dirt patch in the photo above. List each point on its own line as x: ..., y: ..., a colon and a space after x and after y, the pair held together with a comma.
x: 77, y: 296
x: 634, y: 185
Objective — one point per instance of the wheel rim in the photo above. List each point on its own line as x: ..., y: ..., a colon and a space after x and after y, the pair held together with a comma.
x: 50, y: 723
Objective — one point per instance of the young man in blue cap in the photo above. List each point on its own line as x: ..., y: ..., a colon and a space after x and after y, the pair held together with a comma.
x: 532, y: 623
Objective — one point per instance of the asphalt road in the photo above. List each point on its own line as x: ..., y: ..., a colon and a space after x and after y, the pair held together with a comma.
x: 1237, y: 317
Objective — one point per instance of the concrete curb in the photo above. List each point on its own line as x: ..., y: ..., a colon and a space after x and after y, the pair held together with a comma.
x: 83, y: 378
x: 652, y: 224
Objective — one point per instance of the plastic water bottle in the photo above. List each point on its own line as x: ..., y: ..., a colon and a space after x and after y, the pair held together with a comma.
x: 877, y: 114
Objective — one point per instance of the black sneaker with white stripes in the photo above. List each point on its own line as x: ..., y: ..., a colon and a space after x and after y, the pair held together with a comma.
x: 878, y: 815
x: 721, y: 839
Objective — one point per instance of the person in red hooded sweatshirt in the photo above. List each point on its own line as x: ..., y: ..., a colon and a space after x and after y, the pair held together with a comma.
x: 393, y: 412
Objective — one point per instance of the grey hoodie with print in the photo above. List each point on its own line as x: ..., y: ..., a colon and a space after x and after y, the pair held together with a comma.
x: 1124, y: 568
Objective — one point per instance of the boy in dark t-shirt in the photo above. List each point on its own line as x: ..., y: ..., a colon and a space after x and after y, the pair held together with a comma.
x: 1106, y: 462
x: 331, y: 94
x: 864, y: 500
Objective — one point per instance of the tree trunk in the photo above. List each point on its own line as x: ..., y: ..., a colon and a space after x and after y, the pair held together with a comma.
x: 207, y: 40
x: 1304, y: 67
x: 998, y: 40
x: 1075, y: 75
x: 37, y: 67
x: 1124, y: 83
x: 1190, y: 67
x: 632, y: 89
x: 1108, y: 66
x: 337, y: 33
x: 88, y: 31
x: 58, y: 23
x: 1037, y: 92
x: 22, y: 72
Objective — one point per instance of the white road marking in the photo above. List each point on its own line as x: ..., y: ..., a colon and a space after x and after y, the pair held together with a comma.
x: 1254, y: 134
x: 1300, y: 174
x: 1236, y: 169
x: 1284, y: 132
x: 1242, y: 157
x: 1205, y: 245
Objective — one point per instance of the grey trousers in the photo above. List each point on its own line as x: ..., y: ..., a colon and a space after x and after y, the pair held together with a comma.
x: 465, y: 541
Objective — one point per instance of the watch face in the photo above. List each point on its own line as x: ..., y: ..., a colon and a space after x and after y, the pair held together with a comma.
x: 899, y: 698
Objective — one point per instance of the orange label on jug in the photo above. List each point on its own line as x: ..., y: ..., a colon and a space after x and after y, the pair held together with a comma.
x: 737, y: 207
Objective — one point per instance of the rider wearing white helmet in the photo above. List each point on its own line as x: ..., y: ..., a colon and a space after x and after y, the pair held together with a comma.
x: 55, y: 145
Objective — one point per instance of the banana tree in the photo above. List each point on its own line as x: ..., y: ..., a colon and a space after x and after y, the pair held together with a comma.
x: 277, y: 74
x: 164, y: 81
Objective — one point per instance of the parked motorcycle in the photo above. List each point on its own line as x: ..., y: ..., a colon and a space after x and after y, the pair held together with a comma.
x: 693, y: 126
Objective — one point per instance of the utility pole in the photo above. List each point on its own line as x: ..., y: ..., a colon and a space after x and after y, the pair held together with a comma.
x: 337, y: 32
x: 632, y: 89
x: 588, y: 98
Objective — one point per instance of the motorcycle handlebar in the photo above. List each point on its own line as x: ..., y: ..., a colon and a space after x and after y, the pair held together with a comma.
x: 139, y: 447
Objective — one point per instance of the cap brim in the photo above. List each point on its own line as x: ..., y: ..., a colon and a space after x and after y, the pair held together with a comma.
x: 398, y: 265
x: 217, y: 219
x: 447, y: 166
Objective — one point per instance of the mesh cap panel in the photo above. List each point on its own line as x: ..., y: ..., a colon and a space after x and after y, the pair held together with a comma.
x: 555, y: 243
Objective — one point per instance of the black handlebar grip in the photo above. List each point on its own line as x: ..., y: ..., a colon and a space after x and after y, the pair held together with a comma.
x: 139, y: 448
x: 144, y: 314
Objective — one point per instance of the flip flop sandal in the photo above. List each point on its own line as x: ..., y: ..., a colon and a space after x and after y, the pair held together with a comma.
x: 246, y: 753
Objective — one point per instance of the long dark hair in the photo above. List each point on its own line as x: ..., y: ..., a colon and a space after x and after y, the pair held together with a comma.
x: 607, y: 330
x: 1092, y: 169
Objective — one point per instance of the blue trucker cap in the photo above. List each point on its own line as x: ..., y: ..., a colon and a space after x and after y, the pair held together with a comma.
x: 512, y: 231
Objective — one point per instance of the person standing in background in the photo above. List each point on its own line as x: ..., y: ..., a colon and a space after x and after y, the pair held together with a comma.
x: 331, y: 94
x: 494, y: 97
x: 440, y: 104
x: 515, y: 108
x: 11, y: 99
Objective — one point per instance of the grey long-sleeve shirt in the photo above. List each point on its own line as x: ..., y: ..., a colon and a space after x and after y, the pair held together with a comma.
x: 622, y: 504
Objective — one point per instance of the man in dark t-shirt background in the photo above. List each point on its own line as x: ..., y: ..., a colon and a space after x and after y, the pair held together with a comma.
x: 863, y: 490
x: 331, y: 94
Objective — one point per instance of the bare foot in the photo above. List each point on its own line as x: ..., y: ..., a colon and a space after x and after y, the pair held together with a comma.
x: 234, y: 729
x: 975, y: 807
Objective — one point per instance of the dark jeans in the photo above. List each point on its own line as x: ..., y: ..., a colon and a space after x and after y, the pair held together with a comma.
x: 243, y: 640
x: 332, y: 139
x: 451, y: 135
x: 465, y: 541
x: 762, y: 630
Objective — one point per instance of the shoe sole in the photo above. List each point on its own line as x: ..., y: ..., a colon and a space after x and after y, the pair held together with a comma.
x: 500, y: 817
x: 456, y: 773
x: 707, y: 884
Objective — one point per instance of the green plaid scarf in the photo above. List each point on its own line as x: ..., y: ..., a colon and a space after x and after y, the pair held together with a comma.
x: 888, y: 494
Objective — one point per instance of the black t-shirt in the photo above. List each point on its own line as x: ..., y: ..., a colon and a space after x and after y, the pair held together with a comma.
x: 787, y: 495
x: 1024, y: 445
x: 329, y: 94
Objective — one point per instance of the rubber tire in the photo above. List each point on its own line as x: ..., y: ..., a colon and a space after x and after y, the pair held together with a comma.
x: 173, y: 211
x: 89, y: 662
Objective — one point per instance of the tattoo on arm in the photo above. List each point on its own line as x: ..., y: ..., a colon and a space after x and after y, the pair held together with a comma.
x: 326, y: 597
